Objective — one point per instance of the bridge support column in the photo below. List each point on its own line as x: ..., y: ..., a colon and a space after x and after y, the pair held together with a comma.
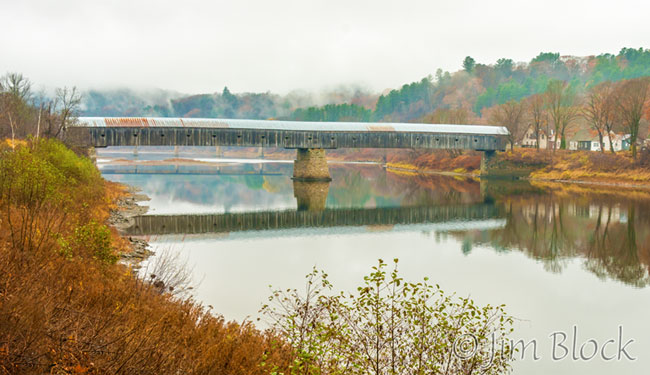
x: 311, y: 165
x: 486, y: 160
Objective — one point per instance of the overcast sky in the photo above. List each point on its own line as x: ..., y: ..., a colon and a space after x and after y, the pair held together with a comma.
x: 279, y: 45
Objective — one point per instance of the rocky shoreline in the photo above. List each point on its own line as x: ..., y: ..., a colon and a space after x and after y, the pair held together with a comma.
x: 122, y: 218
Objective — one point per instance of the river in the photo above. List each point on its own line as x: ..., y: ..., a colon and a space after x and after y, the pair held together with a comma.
x: 563, y: 258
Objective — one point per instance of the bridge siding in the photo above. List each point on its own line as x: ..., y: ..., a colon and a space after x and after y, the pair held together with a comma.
x: 269, y: 220
x: 170, y: 136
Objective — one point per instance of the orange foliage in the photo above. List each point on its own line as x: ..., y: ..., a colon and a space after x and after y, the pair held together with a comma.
x: 66, y: 307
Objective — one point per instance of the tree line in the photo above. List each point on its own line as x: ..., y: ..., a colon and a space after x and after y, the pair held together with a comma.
x: 464, y: 96
x: 607, y: 107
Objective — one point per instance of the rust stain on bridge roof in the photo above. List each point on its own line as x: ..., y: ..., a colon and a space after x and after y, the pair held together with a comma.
x: 381, y: 128
x: 149, y: 122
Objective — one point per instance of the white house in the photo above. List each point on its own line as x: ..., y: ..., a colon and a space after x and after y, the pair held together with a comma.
x: 530, y: 138
x: 618, y: 141
x: 577, y: 139
x: 587, y: 139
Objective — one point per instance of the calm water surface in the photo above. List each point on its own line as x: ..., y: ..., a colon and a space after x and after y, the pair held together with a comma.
x: 556, y: 255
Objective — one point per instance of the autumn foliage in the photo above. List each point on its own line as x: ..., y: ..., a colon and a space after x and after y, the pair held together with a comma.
x: 67, y: 306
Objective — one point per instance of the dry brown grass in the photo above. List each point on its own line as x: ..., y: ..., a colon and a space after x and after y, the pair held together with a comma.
x: 440, y: 161
x: 586, y: 166
x: 66, y: 307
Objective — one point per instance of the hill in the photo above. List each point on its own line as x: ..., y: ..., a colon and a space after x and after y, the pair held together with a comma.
x: 443, y: 97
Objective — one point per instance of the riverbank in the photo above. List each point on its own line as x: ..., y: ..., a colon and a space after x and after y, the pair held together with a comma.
x: 583, y: 167
x: 579, y: 167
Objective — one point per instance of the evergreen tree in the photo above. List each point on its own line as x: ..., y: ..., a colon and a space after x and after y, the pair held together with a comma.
x: 468, y: 64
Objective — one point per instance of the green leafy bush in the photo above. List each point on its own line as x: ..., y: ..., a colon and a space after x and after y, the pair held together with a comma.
x: 389, y: 326
x: 44, y: 188
x: 93, y: 239
x: 77, y: 169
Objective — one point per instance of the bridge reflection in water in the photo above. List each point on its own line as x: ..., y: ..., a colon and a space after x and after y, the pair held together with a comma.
x: 312, y: 210
x: 291, y: 219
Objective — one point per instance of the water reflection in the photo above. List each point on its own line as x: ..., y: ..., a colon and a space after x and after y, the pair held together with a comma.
x: 550, y: 223
x: 311, y: 195
x: 606, y: 231
x: 557, y: 255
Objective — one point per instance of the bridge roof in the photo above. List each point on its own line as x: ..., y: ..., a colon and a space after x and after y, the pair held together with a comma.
x: 98, y: 122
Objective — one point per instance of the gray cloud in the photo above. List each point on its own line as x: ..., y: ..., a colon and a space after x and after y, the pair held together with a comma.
x: 200, y: 46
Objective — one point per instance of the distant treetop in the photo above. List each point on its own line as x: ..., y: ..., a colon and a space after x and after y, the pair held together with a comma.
x: 546, y: 56
x: 468, y: 64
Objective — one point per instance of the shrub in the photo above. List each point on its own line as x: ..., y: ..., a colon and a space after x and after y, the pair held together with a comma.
x: 31, y: 197
x: 79, y: 170
x: 92, y: 240
x: 389, y: 327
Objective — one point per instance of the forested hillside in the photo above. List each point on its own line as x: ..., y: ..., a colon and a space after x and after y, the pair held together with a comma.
x: 224, y: 104
x: 443, y: 97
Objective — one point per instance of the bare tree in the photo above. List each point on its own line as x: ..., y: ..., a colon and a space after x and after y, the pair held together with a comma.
x: 16, y: 85
x: 510, y: 115
x: 62, y: 111
x: 599, y: 111
x: 562, y: 109
x: 538, y: 115
x: 631, y: 100
x: 23, y: 113
x: 5, y: 114
x: 16, y: 93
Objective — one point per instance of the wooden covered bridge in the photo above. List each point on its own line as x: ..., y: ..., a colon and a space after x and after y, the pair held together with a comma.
x: 311, y: 139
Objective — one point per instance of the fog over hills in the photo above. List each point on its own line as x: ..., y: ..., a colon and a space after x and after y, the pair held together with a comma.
x: 441, y: 96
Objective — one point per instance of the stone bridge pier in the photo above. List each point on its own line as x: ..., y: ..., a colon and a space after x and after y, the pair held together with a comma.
x: 311, y: 165
x: 486, y: 162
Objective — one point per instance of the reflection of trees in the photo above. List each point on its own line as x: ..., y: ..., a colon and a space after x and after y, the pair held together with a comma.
x: 554, y: 229
x: 615, y: 251
x: 254, y: 182
x: 434, y: 189
x: 366, y: 186
x: 225, y: 190
x: 537, y: 227
x: 350, y: 190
